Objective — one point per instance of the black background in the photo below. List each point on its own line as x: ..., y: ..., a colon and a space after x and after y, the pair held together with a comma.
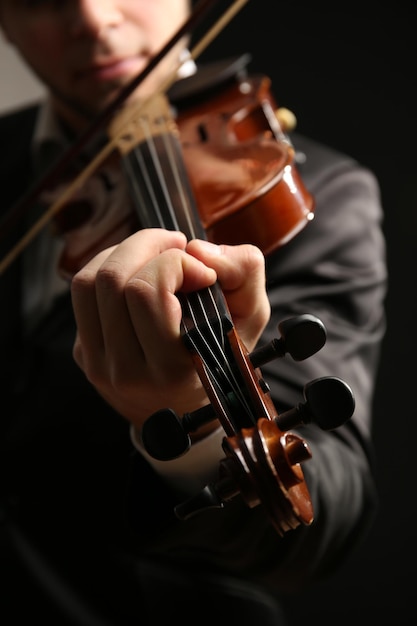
x: 347, y: 70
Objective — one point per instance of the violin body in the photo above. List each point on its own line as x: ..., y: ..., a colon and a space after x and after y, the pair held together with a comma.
x: 239, y: 160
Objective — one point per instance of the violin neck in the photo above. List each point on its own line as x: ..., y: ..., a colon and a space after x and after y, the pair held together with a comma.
x: 160, y: 186
x: 163, y: 198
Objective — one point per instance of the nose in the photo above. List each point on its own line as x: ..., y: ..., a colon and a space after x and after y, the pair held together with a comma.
x: 93, y: 16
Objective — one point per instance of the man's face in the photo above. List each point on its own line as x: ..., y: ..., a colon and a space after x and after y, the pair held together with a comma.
x: 84, y: 51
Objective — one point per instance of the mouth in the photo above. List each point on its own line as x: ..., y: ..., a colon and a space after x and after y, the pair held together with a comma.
x: 112, y: 69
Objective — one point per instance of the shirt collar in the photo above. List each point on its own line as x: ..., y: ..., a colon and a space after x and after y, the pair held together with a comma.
x: 48, y: 140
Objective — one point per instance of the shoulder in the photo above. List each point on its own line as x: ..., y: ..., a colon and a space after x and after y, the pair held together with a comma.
x: 346, y: 231
x: 340, y: 184
x: 23, y: 118
x: 319, y: 164
x: 16, y: 132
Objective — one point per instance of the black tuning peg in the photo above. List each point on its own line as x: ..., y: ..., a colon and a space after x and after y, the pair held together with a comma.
x: 329, y: 404
x: 165, y: 435
x: 301, y: 337
x: 213, y: 496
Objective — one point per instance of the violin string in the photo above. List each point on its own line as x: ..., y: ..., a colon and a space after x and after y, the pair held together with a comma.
x: 143, y: 205
x: 229, y: 375
x: 206, y: 349
x: 223, y: 362
x: 162, y: 180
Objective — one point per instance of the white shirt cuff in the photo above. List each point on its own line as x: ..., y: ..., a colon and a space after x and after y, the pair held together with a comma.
x: 192, y: 471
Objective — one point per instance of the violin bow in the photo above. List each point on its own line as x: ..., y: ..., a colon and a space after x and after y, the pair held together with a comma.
x: 200, y: 11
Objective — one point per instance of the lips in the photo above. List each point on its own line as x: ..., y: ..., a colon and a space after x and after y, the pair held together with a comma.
x: 111, y: 69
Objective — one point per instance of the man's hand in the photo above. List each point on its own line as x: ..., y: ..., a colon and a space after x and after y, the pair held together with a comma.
x: 128, y: 316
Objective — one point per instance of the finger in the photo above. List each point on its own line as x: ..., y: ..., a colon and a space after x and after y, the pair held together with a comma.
x: 241, y: 274
x: 155, y: 310
x: 89, y: 338
x: 104, y: 328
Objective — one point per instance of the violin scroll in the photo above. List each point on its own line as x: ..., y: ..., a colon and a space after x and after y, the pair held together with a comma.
x: 263, y: 463
x: 263, y: 460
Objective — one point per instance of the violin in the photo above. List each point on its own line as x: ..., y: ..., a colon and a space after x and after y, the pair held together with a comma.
x: 236, y: 156
x: 217, y: 125
x: 263, y: 457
